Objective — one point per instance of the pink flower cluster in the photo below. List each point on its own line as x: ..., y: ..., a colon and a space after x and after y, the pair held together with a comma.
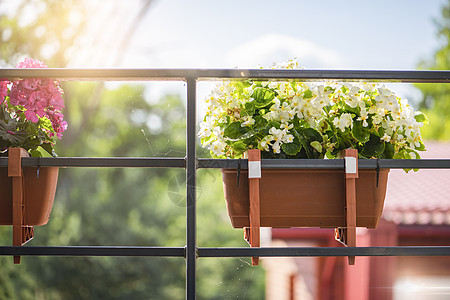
x: 31, y: 63
x: 39, y: 97
x: 3, y: 90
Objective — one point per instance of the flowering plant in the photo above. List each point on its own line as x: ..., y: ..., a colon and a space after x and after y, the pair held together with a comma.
x: 30, y: 114
x: 309, y: 120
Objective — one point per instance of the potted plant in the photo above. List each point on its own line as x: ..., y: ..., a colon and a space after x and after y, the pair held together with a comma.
x: 30, y: 119
x: 308, y: 120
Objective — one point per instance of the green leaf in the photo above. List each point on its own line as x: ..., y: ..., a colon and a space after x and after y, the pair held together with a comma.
x: 402, y: 154
x: 311, y: 134
x: 415, y: 156
x: 260, y: 122
x: 49, y: 149
x: 239, y: 147
x: 374, y: 147
x: 250, y: 108
x: 306, y: 136
x: 35, y: 153
x: 421, y: 147
x: 353, y: 110
x: 308, y: 94
x: 262, y: 97
x: 292, y: 148
x: 317, y: 145
x: 10, y: 132
x: 271, y: 124
x: 235, y: 131
x: 421, y: 117
x: 331, y: 136
x: 360, y: 133
x: 389, y: 151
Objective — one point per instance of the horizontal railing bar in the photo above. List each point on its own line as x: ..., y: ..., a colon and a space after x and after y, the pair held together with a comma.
x: 101, y: 162
x: 409, y: 76
x: 225, y: 252
x: 93, y: 251
x: 205, y: 163
x: 325, y: 251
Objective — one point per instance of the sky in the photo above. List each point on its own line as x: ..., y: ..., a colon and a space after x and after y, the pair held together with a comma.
x: 383, y: 34
x: 325, y: 34
x: 346, y: 34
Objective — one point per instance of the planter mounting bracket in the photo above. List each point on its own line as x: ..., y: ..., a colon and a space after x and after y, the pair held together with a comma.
x: 21, y: 233
x: 252, y: 234
x: 347, y: 234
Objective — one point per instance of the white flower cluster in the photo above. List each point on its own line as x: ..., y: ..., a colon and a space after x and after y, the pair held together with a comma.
x: 252, y: 114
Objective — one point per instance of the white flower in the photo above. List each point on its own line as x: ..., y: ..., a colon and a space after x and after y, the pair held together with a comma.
x: 369, y: 87
x: 322, y: 98
x: 353, y: 97
x: 276, y: 147
x: 413, y: 129
x: 382, y: 98
x: 218, y: 132
x: 288, y: 138
x: 373, y: 109
x: 386, y: 138
x: 205, y: 130
x: 377, y: 119
x: 248, y: 121
x: 287, y: 127
x: 343, y: 122
x: 276, y: 133
x: 273, y: 85
x: 364, y: 116
x: 392, y: 103
x: 265, y: 142
x: 414, y: 142
x: 218, y: 148
x: 280, y: 136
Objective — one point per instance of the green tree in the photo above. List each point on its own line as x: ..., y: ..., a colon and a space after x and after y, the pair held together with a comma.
x: 436, y: 97
x: 142, y: 207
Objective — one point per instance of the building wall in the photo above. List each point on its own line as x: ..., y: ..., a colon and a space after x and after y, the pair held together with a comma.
x: 290, y: 278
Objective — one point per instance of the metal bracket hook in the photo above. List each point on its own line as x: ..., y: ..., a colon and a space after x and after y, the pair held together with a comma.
x: 38, y: 166
x: 238, y: 173
x: 378, y: 171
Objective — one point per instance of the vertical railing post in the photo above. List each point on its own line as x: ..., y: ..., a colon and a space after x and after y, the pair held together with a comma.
x: 191, y: 183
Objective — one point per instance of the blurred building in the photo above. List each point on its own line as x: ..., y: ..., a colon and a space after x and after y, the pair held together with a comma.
x: 416, y: 213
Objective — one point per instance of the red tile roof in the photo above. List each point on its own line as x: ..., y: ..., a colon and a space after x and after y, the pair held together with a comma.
x: 421, y: 197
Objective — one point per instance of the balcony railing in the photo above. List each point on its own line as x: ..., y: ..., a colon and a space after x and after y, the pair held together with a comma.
x: 191, y: 252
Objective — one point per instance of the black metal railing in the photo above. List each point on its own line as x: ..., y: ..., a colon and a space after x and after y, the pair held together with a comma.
x: 191, y: 162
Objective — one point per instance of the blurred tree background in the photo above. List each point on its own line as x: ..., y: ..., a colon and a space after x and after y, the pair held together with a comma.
x: 436, y: 97
x: 136, y: 207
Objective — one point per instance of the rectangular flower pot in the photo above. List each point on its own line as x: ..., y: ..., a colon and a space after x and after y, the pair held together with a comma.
x: 305, y: 197
x: 39, y: 194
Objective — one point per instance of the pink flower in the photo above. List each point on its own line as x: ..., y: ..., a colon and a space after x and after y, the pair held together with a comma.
x: 17, y: 96
x: 44, y: 82
x: 31, y: 83
x: 3, y: 90
x: 56, y: 101
x: 31, y: 116
x: 58, y: 124
x: 36, y: 98
x: 31, y: 63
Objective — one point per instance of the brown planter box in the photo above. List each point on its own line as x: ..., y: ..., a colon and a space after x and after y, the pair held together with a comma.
x: 39, y: 194
x: 305, y: 197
